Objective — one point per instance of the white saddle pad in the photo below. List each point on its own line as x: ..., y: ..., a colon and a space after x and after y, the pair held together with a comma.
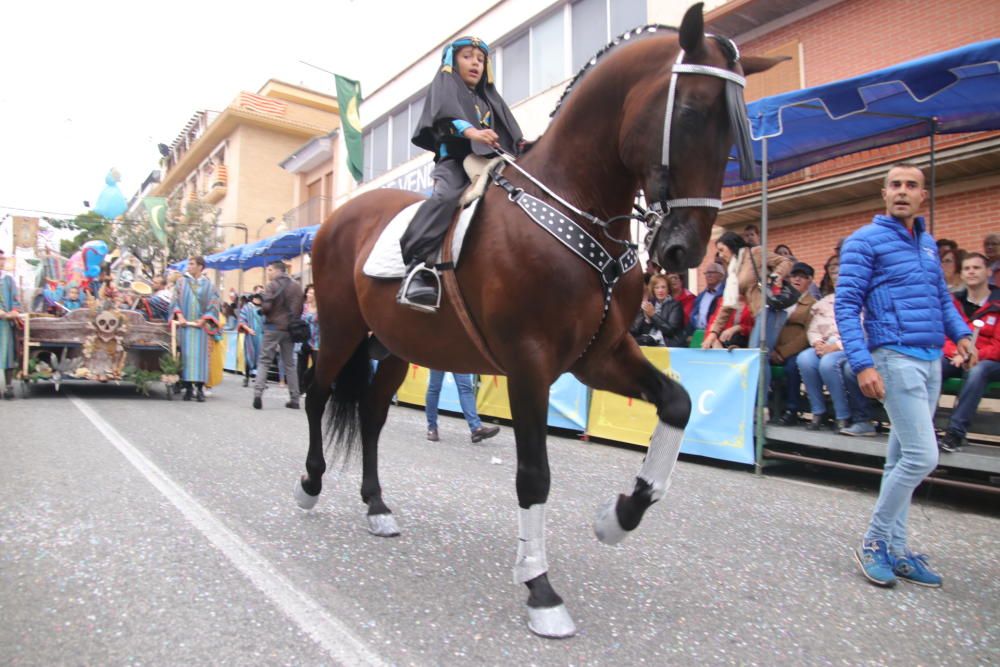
x: 386, y: 258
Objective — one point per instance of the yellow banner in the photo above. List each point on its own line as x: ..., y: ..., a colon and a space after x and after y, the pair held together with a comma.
x: 492, y: 400
x: 623, y: 419
x: 414, y: 387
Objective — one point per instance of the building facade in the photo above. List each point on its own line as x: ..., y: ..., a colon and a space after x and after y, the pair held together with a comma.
x: 232, y: 160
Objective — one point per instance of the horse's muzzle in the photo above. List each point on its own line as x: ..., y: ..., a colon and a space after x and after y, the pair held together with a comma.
x: 677, y: 245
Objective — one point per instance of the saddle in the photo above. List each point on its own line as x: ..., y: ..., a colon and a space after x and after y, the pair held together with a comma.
x: 386, y: 257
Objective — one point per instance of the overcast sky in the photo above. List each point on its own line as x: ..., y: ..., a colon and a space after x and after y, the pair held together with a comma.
x: 86, y: 86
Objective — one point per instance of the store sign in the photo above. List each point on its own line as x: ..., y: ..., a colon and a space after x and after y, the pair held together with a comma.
x: 415, y: 180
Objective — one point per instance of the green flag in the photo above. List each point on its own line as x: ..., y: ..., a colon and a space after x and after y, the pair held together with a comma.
x: 157, y: 209
x: 349, y: 99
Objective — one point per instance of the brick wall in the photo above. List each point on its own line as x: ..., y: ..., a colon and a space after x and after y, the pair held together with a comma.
x: 858, y: 36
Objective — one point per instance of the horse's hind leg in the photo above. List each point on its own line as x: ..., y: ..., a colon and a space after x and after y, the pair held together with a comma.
x: 329, y: 362
x: 627, y: 372
x: 547, y: 615
x: 374, y: 409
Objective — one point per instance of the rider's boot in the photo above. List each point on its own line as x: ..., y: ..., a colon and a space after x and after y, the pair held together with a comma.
x: 421, y: 287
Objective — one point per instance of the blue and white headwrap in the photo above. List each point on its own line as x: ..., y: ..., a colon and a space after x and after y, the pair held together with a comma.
x: 448, y: 55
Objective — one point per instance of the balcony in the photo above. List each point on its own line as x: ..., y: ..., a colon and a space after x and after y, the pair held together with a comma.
x: 307, y: 214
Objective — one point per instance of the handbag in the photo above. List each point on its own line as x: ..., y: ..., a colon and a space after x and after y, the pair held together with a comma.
x: 779, y: 295
x: 298, y: 329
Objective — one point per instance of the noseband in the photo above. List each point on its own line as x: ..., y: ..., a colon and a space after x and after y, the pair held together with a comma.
x: 660, y: 209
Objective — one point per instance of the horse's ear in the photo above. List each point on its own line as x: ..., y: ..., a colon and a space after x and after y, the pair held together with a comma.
x: 692, y: 28
x: 757, y: 64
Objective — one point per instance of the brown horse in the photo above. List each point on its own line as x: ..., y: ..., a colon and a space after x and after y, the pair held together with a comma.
x: 541, y: 310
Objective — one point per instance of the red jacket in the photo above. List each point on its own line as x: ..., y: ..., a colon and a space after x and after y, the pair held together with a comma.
x: 988, y: 343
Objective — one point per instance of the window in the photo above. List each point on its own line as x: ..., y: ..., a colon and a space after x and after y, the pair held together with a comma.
x: 548, y: 57
x: 515, y: 70
x: 592, y: 29
x: 400, y: 136
x: 416, y: 109
x: 387, y: 144
x: 537, y: 60
x: 380, y: 148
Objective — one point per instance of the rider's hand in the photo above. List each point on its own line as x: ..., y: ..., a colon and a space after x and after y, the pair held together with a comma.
x: 484, y: 136
x: 871, y: 384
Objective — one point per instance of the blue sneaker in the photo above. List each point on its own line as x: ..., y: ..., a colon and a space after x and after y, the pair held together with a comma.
x: 875, y: 562
x: 913, y: 568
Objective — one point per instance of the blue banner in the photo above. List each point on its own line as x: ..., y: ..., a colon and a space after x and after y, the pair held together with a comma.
x: 723, y: 389
x: 568, y: 404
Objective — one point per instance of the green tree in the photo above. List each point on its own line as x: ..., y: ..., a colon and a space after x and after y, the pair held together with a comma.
x: 89, y: 225
x: 191, y: 230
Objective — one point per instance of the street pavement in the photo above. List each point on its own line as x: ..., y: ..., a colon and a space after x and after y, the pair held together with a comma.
x: 137, y: 531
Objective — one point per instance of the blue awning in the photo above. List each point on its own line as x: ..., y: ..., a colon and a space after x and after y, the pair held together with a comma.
x: 958, y: 90
x: 286, y: 245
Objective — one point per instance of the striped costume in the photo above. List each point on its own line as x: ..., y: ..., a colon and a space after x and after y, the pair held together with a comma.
x: 197, y: 300
x: 8, y: 303
x: 251, y: 319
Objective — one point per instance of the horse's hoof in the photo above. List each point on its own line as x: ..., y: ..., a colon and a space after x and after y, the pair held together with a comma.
x: 303, y: 499
x: 383, y: 525
x: 553, y: 622
x: 606, y: 526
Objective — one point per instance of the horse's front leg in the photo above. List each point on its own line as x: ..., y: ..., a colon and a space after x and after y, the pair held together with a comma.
x: 627, y: 372
x: 547, y: 615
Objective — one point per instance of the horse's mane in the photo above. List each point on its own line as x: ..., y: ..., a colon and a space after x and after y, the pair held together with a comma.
x: 625, y: 37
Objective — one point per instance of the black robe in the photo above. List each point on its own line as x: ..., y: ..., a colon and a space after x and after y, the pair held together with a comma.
x: 450, y: 99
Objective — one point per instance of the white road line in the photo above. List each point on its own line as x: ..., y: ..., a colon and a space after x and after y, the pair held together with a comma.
x: 305, y: 612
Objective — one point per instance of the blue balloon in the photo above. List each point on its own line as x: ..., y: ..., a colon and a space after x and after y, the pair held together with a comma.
x: 111, y: 203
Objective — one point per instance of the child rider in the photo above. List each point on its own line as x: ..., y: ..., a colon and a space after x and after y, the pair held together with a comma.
x: 463, y: 114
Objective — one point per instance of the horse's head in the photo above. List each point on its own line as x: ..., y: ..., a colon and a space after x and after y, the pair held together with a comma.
x: 678, y: 140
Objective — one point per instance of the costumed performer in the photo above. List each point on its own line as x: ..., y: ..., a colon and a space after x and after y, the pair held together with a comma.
x: 195, y: 306
x: 463, y: 114
x: 10, y: 306
x: 252, y: 326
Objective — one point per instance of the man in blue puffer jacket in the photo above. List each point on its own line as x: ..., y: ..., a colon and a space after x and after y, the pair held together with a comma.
x: 890, y: 271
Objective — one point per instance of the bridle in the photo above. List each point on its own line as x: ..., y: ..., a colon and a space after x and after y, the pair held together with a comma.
x: 660, y: 208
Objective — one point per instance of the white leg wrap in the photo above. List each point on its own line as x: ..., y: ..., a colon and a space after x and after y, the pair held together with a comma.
x: 661, y: 458
x: 531, y: 560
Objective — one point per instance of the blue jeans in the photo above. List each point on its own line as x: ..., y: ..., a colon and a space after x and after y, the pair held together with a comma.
x: 826, y: 370
x: 973, y: 388
x: 793, y: 379
x: 465, y: 397
x: 912, y: 387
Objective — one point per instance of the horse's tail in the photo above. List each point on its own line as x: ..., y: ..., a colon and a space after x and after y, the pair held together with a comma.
x: 343, y: 418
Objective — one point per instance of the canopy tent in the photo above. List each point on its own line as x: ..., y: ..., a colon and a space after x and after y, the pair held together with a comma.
x: 948, y: 92
x: 288, y: 244
x: 260, y: 253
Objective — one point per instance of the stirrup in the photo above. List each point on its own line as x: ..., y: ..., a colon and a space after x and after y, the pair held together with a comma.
x: 401, y: 295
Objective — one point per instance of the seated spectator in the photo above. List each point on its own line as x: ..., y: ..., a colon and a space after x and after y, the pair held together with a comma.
x: 660, y: 321
x: 991, y: 249
x: 823, y: 364
x: 792, y: 338
x: 734, y: 330
x: 976, y: 302
x: 682, y: 294
x: 951, y: 264
x: 705, y: 303
x: 652, y: 269
x: 784, y: 251
x: 744, y: 275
